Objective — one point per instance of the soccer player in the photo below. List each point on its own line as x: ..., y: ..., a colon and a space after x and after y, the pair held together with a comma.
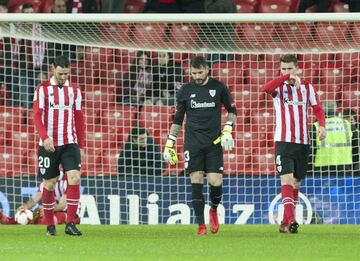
x: 201, y: 100
x: 60, y: 197
x: 291, y: 97
x: 60, y: 123
x: 59, y: 208
x: 60, y: 214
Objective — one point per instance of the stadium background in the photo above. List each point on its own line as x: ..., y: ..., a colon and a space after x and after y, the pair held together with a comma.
x: 249, y: 169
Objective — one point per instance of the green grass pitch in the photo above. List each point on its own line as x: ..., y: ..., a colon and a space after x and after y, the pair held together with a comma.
x: 179, y: 242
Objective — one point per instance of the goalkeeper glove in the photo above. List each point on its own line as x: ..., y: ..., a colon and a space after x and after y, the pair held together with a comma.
x: 226, y: 139
x: 169, y: 152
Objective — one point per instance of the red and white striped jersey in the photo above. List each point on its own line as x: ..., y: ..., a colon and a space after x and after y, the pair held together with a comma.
x: 77, y: 7
x: 58, y: 105
x: 291, y: 107
x: 60, y: 186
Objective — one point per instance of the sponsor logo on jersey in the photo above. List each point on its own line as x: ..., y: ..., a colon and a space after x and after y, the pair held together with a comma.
x: 59, y: 106
x: 196, y: 105
x: 301, y: 103
x: 212, y: 92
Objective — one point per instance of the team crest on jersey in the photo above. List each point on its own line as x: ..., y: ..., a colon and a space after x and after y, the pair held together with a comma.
x: 42, y: 171
x: 212, y: 92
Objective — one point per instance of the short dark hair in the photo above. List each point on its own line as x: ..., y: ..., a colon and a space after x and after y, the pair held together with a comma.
x: 136, y: 131
x: 61, y: 61
x: 289, y: 58
x: 198, y: 62
x: 27, y: 6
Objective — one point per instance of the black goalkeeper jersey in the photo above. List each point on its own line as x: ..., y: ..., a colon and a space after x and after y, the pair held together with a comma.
x: 202, y: 105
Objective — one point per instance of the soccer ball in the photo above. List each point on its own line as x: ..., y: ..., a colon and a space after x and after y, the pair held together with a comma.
x: 23, y: 216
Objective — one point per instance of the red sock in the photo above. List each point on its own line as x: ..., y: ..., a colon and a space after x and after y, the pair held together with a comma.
x: 287, y: 195
x: 61, y: 217
x: 48, y: 202
x: 72, y: 201
x: 296, y: 196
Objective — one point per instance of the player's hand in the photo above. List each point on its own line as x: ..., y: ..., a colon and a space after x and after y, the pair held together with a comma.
x: 226, y: 139
x: 49, y: 145
x: 294, y: 81
x: 170, y: 153
x: 38, y: 214
x: 321, y: 133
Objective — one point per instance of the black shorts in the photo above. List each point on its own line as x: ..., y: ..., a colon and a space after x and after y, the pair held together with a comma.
x: 291, y: 158
x: 208, y: 159
x: 67, y: 155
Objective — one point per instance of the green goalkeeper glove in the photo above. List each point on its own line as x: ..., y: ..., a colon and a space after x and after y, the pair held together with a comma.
x: 169, y: 152
x: 226, y: 139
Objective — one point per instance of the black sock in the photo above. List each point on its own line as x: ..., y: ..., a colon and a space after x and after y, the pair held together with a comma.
x: 198, y: 202
x: 215, y: 196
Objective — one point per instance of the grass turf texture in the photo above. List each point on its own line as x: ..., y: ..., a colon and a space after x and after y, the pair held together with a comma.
x: 179, y: 242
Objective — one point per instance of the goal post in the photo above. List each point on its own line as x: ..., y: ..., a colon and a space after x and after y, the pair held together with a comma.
x: 115, y: 30
x: 243, y: 51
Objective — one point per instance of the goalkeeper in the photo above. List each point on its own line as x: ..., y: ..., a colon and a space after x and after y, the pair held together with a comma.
x: 201, y: 100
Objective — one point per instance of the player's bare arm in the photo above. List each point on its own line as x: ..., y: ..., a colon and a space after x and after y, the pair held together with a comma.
x: 175, y: 129
x: 169, y: 154
x: 32, y: 201
x: 231, y: 117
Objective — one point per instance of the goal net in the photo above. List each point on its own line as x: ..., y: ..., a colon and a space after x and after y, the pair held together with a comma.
x: 129, y: 69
